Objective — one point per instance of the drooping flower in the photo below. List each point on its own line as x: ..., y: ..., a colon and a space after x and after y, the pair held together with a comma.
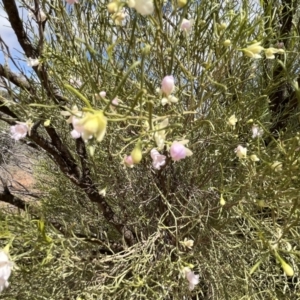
x: 178, y: 151
x: 19, y: 131
x: 93, y: 124
x: 71, y: 1
x: 160, y: 135
x: 143, y: 7
x: 256, y: 131
x: 241, y: 151
x: 32, y: 62
x: 159, y: 160
x: 191, y: 277
x: 232, y: 120
x: 167, y: 85
x: 254, y: 50
x: 270, y: 52
x: 186, y: 25
x: 128, y: 161
x: 5, y: 270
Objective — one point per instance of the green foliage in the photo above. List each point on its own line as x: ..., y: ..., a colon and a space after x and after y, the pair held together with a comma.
x: 68, y: 247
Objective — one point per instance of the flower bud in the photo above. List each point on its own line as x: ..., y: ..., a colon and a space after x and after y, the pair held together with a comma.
x: 112, y: 7
x: 181, y: 3
x: 227, y: 43
x: 288, y: 270
x: 136, y: 153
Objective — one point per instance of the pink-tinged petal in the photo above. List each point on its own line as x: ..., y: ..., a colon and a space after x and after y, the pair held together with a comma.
x: 75, y: 134
x: 128, y: 161
x: 19, y: 131
x: 158, y: 159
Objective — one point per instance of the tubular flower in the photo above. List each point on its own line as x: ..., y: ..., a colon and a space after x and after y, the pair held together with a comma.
x: 178, y: 151
x: 254, y: 50
x: 191, y: 277
x: 241, y: 152
x: 269, y: 52
x: 5, y: 270
x: 143, y: 7
x: 93, y: 124
x: 158, y: 159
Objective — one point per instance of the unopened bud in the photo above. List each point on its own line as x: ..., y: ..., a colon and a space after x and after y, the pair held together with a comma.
x: 136, y: 153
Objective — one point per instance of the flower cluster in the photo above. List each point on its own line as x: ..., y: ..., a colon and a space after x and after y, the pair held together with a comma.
x: 254, y: 50
x: 87, y: 125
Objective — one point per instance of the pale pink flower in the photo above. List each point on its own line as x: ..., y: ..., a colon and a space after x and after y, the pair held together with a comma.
x: 102, y: 94
x: 191, y: 277
x: 167, y: 85
x: 19, y: 131
x: 158, y: 159
x: 115, y: 102
x: 71, y: 1
x: 186, y: 25
x: 128, y: 161
x: 178, y: 151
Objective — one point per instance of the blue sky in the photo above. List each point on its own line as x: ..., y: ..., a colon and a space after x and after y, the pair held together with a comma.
x: 9, y: 37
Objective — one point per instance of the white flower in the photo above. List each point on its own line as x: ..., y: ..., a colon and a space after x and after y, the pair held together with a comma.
x: 270, y: 52
x: 253, y: 50
x: 143, y: 7
x: 19, y: 131
x: 241, y: 151
x: 158, y: 159
x: 191, y: 277
x: 32, y: 62
x: 256, y: 131
x: 277, y: 166
x: 169, y: 100
x: 232, y: 120
x: 75, y: 81
x: 102, y: 94
x: 254, y: 158
x: 160, y: 135
x: 188, y: 243
x: 5, y: 270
